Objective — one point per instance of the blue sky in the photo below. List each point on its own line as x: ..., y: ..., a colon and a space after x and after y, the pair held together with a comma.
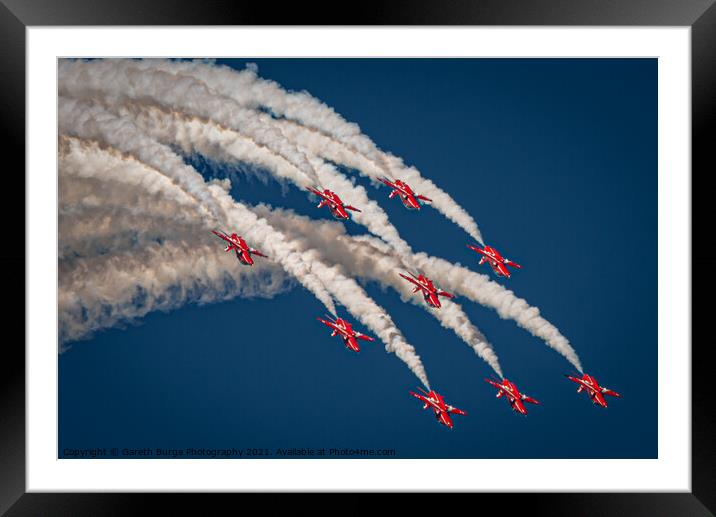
x: 556, y: 159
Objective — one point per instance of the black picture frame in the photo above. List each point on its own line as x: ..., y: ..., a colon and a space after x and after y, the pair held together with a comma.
x: 700, y: 15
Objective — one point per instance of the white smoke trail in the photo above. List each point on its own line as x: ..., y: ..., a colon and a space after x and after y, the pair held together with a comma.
x: 107, y: 290
x: 381, y: 265
x: 100, y: 226
x: 480, y: 289
x: 247, y: 89
x: 204, y: 136
x: 225, y: 145
x: 154, y: 219
x: 344, y: 289
x: 78, y: 118
x: 122, y: 79
x: 112, y: 270
x: 167, y: 84
x: 347, y: 292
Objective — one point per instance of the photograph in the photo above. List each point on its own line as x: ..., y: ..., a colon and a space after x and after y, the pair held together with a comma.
x: 357, y: 258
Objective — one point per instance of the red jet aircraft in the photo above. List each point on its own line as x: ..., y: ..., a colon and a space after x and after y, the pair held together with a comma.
x: 407, y: 196
x: 596, y: 392
x: 497, y: 261
x: 430, y: 292
x: 330, y: 198
x: 514, y: 396
x: 342, y: 327
x: 436, y: 402
x: 243, y: 251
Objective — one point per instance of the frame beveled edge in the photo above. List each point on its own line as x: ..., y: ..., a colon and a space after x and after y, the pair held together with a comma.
x: 12, y: 260
x: 703, y: 129
x: 700, y: 15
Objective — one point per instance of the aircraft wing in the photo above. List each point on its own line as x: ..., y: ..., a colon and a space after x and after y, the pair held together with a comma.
x: 495, y: 384
x: 331, y: 325
x: 363, y: 337
x: 395, y: 187
x: 530, y: 399
x: 387, y: 182
x: 479, y: 250
x: 223, y: 236
x: 349, y: 207
x: 421, y: 286
x: 576, y: 380
x: 607, y: 391
x: 456, y: 411
x: 512, y: 264
x: 423, y: 197
x: 318, y: 193
x: 257, y: 252
x: 419, y: 397
x: 445, y: 294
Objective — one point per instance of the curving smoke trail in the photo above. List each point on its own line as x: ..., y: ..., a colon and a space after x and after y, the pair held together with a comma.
x: 88, y: 121
x: 205, y: 137
x: 124, y: 79
x: 108, y: 290
x: 135, y: 110
x: 344, y: 289
x: 317, y: 127
x: 480, y: 289
x: 381, y: 265
x: 371, y: 258
x: 229, y: 97
x: 130, y: 242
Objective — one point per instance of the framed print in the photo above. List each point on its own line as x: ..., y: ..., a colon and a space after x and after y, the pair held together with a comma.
x: 281, y: 255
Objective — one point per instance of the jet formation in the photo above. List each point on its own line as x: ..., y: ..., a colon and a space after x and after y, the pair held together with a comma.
x: 431, y: 294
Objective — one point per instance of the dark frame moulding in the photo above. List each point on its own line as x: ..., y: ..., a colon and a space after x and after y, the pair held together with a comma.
x: 700, y: 15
